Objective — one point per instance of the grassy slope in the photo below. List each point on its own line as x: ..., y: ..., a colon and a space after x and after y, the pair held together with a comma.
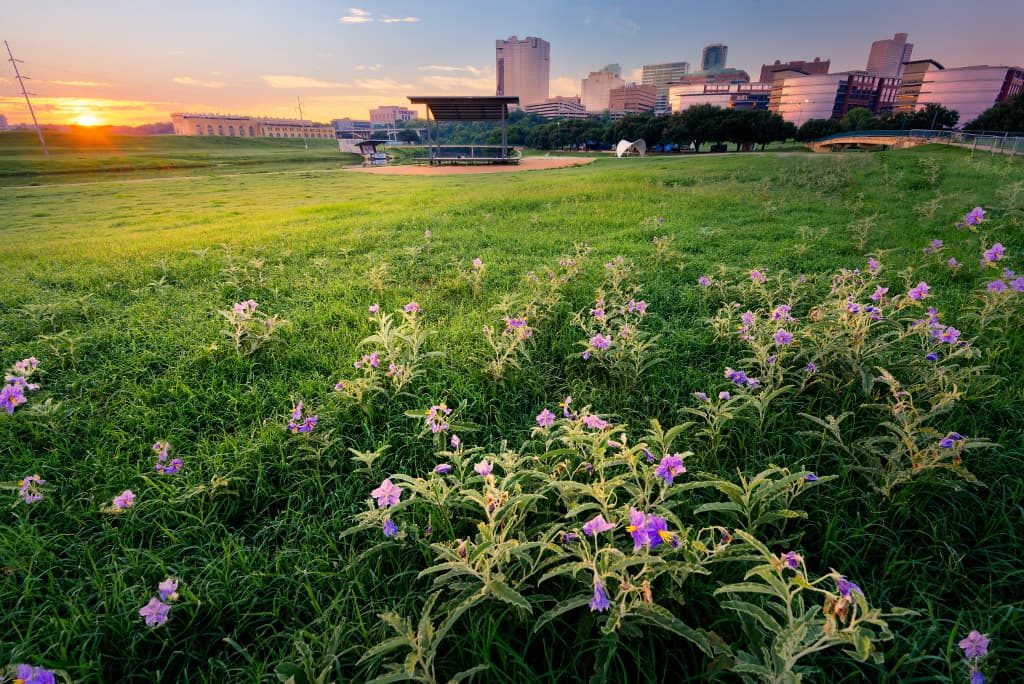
x: 134, y: 273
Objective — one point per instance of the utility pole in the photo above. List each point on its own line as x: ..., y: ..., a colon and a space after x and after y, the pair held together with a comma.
x: 24, y: 92
x: 304, y: 143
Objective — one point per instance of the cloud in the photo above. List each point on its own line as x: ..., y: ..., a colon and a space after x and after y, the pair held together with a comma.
x: 284, y: 81
x: 368, y: 67
x: 81, y: 84
x: 564, y: 85
x: 476, y: 71
x: 612, y: 20
x: 176, y: 52
x: 636, y: 75
x: 355, y: 16
x: 483, y: 85
x: 189, y: 81
x: 399, y: 20
x: 380, y: 85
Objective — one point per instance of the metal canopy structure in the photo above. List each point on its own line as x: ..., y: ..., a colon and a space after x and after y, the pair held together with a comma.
x: 466, y: 108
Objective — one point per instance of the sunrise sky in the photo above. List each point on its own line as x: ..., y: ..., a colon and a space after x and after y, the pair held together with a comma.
x: 104, y: 62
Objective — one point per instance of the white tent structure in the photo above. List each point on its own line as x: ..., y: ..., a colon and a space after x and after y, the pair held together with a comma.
x: 626, y: 148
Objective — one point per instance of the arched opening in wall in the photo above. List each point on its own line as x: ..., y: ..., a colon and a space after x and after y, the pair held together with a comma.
x: 231, y: 131
x: 252, y: 133
x: 220, y: 130
x: 209, y: 129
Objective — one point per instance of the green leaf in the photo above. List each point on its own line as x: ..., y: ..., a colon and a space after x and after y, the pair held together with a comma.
x: 500, y: 590
x: 756, y: 612
x: 719, y: 506
x: 559, y: 610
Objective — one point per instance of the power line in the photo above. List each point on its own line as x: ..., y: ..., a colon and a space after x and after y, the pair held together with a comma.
x: 304, y: 143
x: 24, y: 92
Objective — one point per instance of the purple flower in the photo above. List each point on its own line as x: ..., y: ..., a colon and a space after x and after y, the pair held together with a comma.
x: 374, y: 308
x: 12, y: 396
x: 931, y: 356
x: 596, y: 526
x: 791, y: 560
x: 997, y: 286
x: 757, y: 277
x: 700, y: 395
x: 125, y: 499
x: 168, y: 589
x: 637, y: 307
x: 600, y: 601
x: 598, y: 310
x: 810, y: 477
x: 244, y: 309
x: 738, y: 377
x: 748, y: 318
x: 782, y: 337
x: 879, y: 293
x: 478, y: 263
x: 455, y: 441
x: 33, y: 675
x: 953, y: 263
x: 390, y: 529
x: 811, y: 368
x: 594, y: 422
x: 993, y: 254
x: 387, y: 494
x: 442, y: 468
x: 919, y: 292
x: 599, y: 341
x: 637, y: 528
x: 1017, y: 285
x: 569, y: 537
x: 29, y: 489
x: 974, y: 216
x: 781, y: 313
x: 704, y: 281
x: 950, y: 440
x: 436, y: 417
x: 948, y: 335
x: 724, y: 396
x: 161, y: 448
x: 545, y: 418
x: 670, y: 466
x: 171, y: 468
x: 976, y: 677
x: 427, y: 234
x: 155, y: 612
x: 975, y: 645
x: 298, y: 424
x: 1007, y: 273
x: 846, y: 587
x: 411, y: 308
x: 873, y: 266
x: 483, y: 468
x: 657, y: 532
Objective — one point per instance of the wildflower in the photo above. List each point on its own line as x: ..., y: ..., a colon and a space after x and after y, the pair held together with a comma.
x: 171, y: 468
x: 997, y: 286
x: 545, y: 418
x: 657, y: 532
x: 670, y: 466
x: 390, y: 529
x: 919, y: 292
x: 455, y: 442
x: 950, y: 440
x: 598, y: 310
x: 461, y: 550
x: 12, y: 396
x: 738, y: 377
x: 879, y: 293
x: 853, y: 307
x: 244, y: 309
x: 953, y: 264
x: 873, y: 266
x: 600, y: 601
x: 993, y: 254
x: 565, y: 408
x: 781, y: 313
x: 846, y: 587
x: 792, y: 560
x: 125, y: 499
x: 637, y: 307
x: 931, y: 356
x: 1007, y: 273
x: 637, y: 528
x: 700, y: 395
x: 974, y: 216
x: 427, y: 234
x: 26, y: 674
x: 594, y: 422
x: 948, y: 335
x: 704, y: 281
x: 478, y: 263
x: 648, y: 455
x: 29, y: 489
x: 810, y: 477
x: 976, y: 677
x: 599, y: 341
x: 387, y: 494
x: 411, y: 308
x: 155, y: 612
x: 748, y: 318
x: 724, y: 396
x: 483, y: 468
x: 596, y: 526
x: 757, y: 277
x: 1017, y: 285
x: 782, y: 337
x: 168, y: 589
x: 935, y: 246
x: 436, y: 418
x: 974, y: 645
x: 161, y: 448
x: 340, y: 386
x: 811, y: 368
x: 569, y: 537
x: 298, y: 424
x: 442, y: 468
x: 374, y: 308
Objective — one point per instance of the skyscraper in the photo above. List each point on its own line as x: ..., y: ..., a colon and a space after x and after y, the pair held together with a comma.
x: 523, y: 68
x: 887, y: 56
x: 595, y: 89
x: 713, y: 57
x: 660, y: 76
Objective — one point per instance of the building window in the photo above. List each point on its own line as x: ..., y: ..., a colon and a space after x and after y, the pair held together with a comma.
x: 199, y: 129
x: 252, y: 134
x: 231, y: 131
x: 209, y: 129
x: 241, y: 131
x: 220, y: 130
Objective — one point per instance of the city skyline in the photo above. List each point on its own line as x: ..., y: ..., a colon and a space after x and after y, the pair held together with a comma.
x: 97, y: 65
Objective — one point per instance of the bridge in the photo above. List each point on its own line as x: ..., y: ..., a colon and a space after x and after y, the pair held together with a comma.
x: 996, y: 143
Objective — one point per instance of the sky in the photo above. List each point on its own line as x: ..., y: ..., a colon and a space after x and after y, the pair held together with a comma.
x: 129, y: 63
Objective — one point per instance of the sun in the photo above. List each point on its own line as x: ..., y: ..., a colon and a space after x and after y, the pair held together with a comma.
x: 88, y: 120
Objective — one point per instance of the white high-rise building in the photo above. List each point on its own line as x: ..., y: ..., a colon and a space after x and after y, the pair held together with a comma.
x: 887, y: 56
x: 661, y: 76
x: 523, y: 68
x: 596, y: 88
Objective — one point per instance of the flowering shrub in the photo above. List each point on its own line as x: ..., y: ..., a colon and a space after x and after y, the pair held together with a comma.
x: 248, y: 330
x: 12, y: 394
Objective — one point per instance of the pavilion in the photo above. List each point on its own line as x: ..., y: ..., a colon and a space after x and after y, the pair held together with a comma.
x: 467, y: 108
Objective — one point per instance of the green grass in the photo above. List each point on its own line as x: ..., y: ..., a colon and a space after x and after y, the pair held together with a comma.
x: 115, y: 287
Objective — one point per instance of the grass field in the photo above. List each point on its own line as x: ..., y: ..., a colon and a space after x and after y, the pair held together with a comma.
x: 117, y: 288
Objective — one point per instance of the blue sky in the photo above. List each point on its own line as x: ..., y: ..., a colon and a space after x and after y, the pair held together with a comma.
x: 120, y: 62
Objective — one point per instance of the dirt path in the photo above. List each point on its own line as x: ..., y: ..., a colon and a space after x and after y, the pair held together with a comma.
x: 525, y: 164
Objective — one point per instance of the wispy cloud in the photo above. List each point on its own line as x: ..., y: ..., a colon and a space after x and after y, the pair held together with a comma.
x: 355, y: 16
x: 468, y: 69
x: 80, y: 84
x: 285, y: 81
x: 360, y: 16
x: 380, y: 85
x: 481, y: 85
x: 368, y: 67
x: 189, y: 81
x: 564, y: 85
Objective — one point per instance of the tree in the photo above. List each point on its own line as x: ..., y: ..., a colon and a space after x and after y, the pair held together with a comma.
x: 1007, y: 116
x: 812, y: 129
x: 858, y: 119
x: 408, y: 135
x: 932, y: 116
x: 703, y: 122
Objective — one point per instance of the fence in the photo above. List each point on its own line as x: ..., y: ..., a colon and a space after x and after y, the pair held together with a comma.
x: 994, y: 142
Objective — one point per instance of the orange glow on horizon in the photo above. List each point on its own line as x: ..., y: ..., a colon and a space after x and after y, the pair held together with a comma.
x: 88, y: 119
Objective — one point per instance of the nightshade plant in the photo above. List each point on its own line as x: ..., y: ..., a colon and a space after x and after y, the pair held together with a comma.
x: 248, y: 329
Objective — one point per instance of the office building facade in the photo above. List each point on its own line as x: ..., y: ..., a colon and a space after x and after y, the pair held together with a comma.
x: 389, y: 114
x: 969, y: 90
x: 725, y: 95
x: 798, y: 97
x: 558, y: 107
x: 661, y: 76
x: 815, y: 66
x: 523, y: 68
x: 632, y: 99
x: 887, y: 57
x: 596, y: 88
x: 713, y: 57
x: 239, y: 126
